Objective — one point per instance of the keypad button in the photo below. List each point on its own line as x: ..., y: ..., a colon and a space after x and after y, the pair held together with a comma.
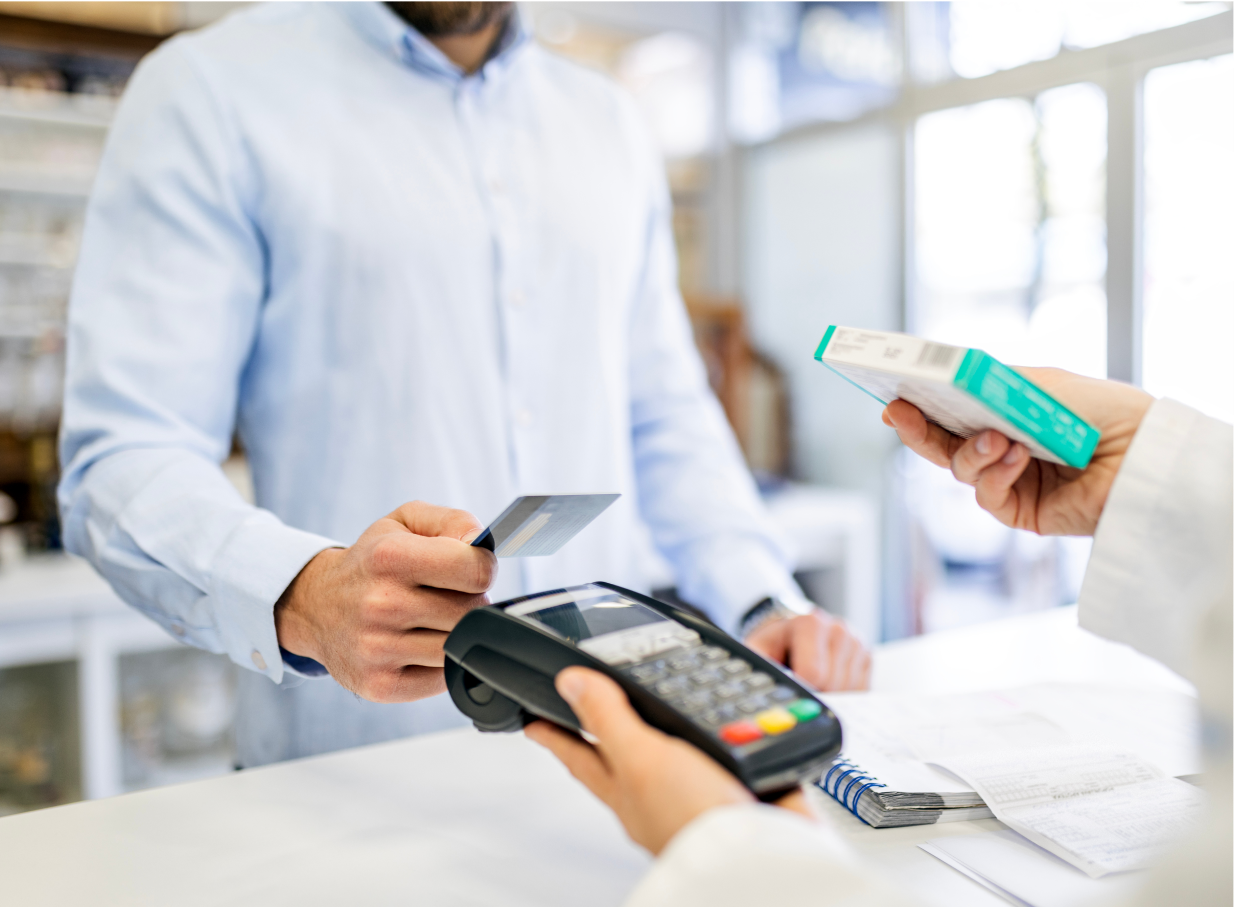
x: 650, y: 672
x: 705, y: 678
x: 735, y: 668
x: 728, y: 691
x: 805, y: 709
x: 671, y: 687
x: 711, y: 654
x: 696, y: 702
x: 775, y: 721
x: 683, y: 662
x: 781, y: 694
x: 752, y: 704
x: 759, y: 682
x: 719, y: 715
x: 740, y: 732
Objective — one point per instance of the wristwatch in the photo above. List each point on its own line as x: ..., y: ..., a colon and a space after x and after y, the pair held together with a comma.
x: 773, y: 607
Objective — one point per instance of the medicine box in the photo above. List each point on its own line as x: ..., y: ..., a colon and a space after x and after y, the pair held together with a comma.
x: 966, y: 391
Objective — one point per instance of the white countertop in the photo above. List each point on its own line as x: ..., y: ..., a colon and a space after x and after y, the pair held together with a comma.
x: 464, y: 818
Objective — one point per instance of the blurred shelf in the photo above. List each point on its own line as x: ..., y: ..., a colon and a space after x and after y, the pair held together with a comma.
x: 55, y: 608
x: 148, y: 17
x: 57, y: 108
x: 55, y: 586
x: 42, y: 183
x: 24, y: 261
x: 31, y: 332
x: 115, y: 45
x: 36, y: 250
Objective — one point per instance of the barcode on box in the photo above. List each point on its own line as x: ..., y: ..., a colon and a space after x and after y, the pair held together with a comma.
x: 938, y: 355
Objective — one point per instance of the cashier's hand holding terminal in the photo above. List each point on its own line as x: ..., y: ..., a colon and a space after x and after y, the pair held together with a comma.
x: 376, y: 614
x: 1020, y: 490
x: 655, y: 783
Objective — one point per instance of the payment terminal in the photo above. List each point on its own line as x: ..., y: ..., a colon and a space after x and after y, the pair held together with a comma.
x: 681, y: 674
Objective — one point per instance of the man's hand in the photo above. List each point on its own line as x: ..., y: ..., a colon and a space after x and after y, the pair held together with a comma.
x: 656, y: 784
x: 820, y: 649
x: 376, y: 614
x: 1020, y: 490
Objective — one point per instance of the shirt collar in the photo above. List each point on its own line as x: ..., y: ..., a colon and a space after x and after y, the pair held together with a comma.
x: 382, y: 26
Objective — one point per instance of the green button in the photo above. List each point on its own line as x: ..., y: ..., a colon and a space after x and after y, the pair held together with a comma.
x: 805, y: 709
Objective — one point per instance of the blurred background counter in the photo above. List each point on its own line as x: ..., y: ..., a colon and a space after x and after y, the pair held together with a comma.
x: 95, y: 699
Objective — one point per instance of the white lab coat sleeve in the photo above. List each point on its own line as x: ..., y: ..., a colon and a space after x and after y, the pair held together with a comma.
x: 755, y: 854
x: 1159, y: 580
x: 1165, y: 528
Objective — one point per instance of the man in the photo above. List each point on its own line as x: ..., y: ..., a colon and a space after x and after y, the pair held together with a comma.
x: 405, y: 254
x: 1157, y: 499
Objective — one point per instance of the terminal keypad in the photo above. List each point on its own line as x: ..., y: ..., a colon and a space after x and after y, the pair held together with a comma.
x: 724, y: 693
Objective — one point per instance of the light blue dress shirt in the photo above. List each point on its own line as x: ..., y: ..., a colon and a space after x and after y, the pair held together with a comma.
x: 396, y: 282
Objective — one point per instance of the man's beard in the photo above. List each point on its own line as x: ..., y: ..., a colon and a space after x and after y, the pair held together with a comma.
x: 436, y: 20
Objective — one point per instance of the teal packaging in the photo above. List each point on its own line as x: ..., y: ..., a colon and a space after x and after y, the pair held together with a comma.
x: 964, y: 390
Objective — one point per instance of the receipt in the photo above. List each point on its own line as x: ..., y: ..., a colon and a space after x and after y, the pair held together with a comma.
x: 1102, y: 810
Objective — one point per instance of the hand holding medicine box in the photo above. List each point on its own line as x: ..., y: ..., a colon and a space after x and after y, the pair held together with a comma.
x: 964, y: 390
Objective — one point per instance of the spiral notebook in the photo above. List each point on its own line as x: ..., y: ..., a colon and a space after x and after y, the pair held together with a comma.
x: 886, y: 774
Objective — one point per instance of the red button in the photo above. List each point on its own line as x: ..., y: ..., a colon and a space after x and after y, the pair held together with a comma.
x: 740, y: 732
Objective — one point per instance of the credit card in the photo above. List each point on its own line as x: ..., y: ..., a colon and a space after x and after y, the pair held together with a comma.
x: 539, y: 524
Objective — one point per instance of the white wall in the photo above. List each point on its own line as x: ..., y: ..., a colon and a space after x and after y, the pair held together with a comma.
x: 821, y: 246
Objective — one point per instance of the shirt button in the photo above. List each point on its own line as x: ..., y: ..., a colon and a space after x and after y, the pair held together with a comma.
x: 258, y: 661
x: 178, y: 629
x: 517, y: 299
x: 496, y: 186
x: 523, y: 417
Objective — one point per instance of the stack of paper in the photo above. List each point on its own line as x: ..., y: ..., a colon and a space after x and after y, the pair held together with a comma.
x: 1099, y: 809
x: 888, y: 774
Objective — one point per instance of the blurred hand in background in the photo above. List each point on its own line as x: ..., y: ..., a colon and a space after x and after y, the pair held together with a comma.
x: 819, y: 648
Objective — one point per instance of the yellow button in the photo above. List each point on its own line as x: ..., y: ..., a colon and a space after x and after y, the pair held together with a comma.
x: 775, y: 721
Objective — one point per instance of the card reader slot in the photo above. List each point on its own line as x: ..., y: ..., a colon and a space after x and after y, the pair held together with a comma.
x: 530, y: 687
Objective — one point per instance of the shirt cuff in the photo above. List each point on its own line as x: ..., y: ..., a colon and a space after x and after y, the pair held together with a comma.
x: 252, y: 570
x: 302, y: 665
x: 732, y: 575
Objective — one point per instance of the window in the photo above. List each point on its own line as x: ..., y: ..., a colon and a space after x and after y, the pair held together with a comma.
x: 1188, y: 278
x: 1009, y: 233
x: 988, y: 37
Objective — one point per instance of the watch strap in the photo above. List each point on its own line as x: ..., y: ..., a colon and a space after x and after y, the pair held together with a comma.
x: 770, y: 608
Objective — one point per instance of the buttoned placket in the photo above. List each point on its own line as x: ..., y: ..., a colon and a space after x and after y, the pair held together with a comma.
x: 495, y: 182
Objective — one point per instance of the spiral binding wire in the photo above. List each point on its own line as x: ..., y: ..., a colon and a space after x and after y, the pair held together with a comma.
x: 849, y: 774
